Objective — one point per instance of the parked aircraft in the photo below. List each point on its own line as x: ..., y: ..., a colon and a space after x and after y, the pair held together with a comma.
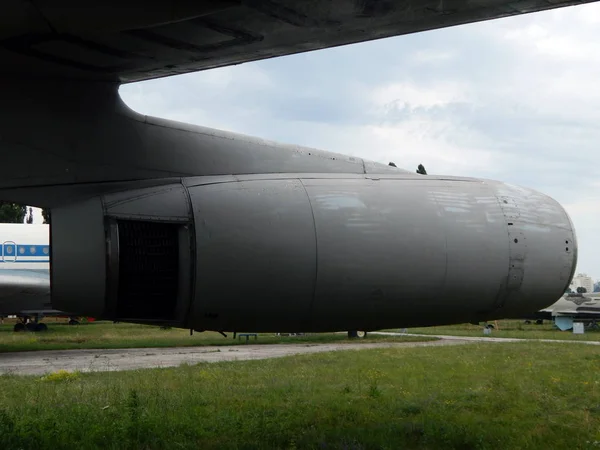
x: 25, y: 275
x: 573, y: 307
x: 161, y: 222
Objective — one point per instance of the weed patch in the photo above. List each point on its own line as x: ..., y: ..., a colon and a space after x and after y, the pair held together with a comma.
x: 61, y: 375
x: 480, y: 396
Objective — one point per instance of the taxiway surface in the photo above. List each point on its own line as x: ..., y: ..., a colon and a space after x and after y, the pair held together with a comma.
x: 41, y: 362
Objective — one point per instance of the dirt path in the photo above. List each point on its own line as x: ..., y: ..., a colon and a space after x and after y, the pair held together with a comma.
x: 41, y: 362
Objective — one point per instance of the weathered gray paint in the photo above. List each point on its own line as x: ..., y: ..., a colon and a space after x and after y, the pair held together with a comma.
x: 317, y: 252
x: 22, y: 290
x: 112, y: 143
x: 354, y: 243
x: 131, y: 40
x: 78, y: 269
x: 256, y: 255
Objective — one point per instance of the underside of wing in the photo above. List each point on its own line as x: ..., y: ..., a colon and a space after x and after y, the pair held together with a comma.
x: 133, y: 40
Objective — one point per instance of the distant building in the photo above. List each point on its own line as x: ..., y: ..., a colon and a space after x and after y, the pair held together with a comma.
x: 582, y: 280
x: 597, y: 286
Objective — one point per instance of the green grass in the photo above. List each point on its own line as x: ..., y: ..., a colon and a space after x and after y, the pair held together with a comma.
x: 476, y: 396
x: 61, y: 336
x: 510, y: 329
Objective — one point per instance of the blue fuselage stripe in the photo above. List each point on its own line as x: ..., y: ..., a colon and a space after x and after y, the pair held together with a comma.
x: 29, y: 261
x: 24, y: 253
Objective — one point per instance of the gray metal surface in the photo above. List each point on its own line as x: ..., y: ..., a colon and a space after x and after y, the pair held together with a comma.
x: 76, y: 253
x: 85, y: 134
x: 131, y: 40
x: 256, y: 255
x: 328, y: 253
x: 24, y: 290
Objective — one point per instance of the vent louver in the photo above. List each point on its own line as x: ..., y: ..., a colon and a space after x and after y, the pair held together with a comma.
x: 148, y: 270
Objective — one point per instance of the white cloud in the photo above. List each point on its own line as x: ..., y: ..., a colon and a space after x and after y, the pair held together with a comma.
x: 431, y: 56
x: 37, y: 215
x: 521, y: 34
x: 561, y: 36
x: 417, y: 142
x: 588, y: 14
x: 585, y: 214
x: 411, y: 94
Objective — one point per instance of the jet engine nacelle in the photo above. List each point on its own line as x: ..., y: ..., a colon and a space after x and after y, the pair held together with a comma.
x: 308, y: 252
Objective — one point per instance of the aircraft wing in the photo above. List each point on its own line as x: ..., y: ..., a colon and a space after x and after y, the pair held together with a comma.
x: 22, y: 290
x: 590, y: 311
x: 133, y: 40
x: 575, y: 305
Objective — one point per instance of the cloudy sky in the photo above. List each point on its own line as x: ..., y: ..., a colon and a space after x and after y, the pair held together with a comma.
x: 515, y: 99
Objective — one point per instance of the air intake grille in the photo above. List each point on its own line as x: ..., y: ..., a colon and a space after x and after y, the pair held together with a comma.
x: 148, y: 269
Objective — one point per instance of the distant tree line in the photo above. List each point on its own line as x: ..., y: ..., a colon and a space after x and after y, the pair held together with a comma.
x: 17, y: 213
x: 12, y: 212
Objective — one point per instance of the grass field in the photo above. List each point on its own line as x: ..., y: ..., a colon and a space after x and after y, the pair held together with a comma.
x: 476, y: 396
x: 510, y: 329
x: 61, y: 336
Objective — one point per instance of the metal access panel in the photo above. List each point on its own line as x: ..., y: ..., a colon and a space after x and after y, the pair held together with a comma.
x: 148, y: 258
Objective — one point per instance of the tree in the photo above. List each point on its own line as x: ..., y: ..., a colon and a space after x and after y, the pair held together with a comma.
x: 46, y: 215
x: 581, y: 290
x: 12, y: 212
x: 29, y: 218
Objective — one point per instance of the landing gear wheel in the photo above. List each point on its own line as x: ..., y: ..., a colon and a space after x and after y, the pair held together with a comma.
x: 19, y: 327
x: 355, y: 334
x: 539, y: 322
x: 527, y: 322
x: 73, y: 322
x: 41, y: 327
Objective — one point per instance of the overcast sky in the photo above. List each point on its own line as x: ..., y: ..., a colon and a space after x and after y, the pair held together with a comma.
x: 515, y: 99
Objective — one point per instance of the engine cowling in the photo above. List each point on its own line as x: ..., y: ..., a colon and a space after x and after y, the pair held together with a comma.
x: 312, y: 252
